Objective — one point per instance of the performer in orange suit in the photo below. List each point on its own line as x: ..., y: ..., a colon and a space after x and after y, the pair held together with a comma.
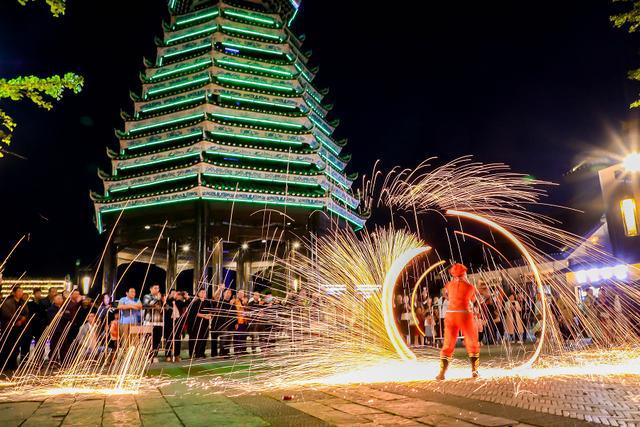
x: 459, y: 317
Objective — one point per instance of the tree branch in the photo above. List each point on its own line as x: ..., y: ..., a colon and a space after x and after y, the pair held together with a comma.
x: 57, y: 7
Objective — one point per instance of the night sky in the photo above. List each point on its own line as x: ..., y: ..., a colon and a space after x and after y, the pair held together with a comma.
x: 533, y: 84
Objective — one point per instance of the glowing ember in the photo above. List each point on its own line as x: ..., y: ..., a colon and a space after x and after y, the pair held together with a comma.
x: 341, y: 328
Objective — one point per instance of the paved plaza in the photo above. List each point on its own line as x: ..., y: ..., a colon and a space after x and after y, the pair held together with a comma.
x: 568, y: 401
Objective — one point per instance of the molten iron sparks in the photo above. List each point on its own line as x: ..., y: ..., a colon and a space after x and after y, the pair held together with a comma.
x: 342, y: 328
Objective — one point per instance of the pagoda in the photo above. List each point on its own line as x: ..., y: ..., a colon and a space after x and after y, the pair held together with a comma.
x: 228, y: 148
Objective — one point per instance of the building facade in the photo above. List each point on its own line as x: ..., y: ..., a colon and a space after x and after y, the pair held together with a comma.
x: 621, y: 195
x: 227, y: 150
x: 610, y: 251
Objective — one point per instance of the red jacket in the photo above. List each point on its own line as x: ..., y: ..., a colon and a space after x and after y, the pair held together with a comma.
x: 460, y: 293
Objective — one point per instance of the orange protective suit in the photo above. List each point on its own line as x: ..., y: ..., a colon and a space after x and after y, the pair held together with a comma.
x: 460, y: 318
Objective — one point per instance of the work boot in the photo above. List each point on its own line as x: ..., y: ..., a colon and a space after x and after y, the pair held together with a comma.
x: 475, y: 364
x: 444, y: 364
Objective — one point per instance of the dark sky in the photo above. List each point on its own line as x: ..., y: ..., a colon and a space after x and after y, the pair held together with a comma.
x: 532, y: 84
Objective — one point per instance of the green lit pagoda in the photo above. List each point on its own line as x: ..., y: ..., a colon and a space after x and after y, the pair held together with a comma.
x: 227, y: 147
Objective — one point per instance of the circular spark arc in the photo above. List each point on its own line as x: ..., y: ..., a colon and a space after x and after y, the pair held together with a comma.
x: 532, y: 264
x: 415, y: 289
x: 390, y: 280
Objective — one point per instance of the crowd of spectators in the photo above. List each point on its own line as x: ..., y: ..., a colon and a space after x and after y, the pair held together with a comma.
x: 227, y: 322
x: 24, y: 320
x: 512, y: 316
x: 499, y: 317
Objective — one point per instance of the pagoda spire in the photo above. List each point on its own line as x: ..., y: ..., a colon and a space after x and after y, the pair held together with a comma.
x: 228, y: 121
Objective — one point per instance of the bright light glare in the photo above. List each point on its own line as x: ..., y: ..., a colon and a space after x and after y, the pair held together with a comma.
x: 607, y: 273
x: 621, y: 271
x: 632, y: 162
x: 82, y: 390
x: 581, y: 276
x: 593, y: 275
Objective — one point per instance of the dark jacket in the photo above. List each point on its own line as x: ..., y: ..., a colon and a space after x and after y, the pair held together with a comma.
x: 9, y: 309
x: 224, y: 319
x: 202, y: 307
x: 168, y: 309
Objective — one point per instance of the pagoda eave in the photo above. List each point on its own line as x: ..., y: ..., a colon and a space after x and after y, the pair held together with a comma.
x: 287, y: 8
x: 204, y: 145
x: 219, y: 197
x: 205, y: 168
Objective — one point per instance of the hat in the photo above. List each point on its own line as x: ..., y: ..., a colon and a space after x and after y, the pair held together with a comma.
x: 458, y: 270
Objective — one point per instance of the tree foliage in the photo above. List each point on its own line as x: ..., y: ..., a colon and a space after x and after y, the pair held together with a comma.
x: 629, y: 19
x: 38, y: 89
x: 57, y: 6
x: 41, y: 91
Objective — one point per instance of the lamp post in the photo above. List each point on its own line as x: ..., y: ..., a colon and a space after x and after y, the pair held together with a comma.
x: 86, y: 281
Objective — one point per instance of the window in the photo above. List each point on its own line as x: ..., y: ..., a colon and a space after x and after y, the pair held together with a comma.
x: 629, y: 217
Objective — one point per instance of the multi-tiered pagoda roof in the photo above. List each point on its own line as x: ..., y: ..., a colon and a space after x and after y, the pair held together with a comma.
x: 228, y: 113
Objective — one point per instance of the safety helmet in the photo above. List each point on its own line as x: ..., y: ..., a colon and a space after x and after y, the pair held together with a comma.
x: 458, y: 270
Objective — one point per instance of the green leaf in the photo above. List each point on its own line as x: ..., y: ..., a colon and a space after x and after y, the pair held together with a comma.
x: 629, y: 19
x: 57, y: 7
x: 40, y: 91
x: 7, y: 126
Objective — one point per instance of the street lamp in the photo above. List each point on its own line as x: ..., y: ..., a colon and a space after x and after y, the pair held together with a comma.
x: 631, y: 163
x: 86, y: 280
x: 296, y: 245
x: 245, y: 246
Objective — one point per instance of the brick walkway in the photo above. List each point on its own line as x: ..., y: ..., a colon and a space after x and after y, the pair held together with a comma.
x: 607, y: 400
x: 557, y: 402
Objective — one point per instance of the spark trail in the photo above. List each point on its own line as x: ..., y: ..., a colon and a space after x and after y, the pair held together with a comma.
x: 330, y: 321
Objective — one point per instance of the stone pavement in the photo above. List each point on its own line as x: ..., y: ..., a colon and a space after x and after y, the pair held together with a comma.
x: 489, y: 403
x: 612, y: 400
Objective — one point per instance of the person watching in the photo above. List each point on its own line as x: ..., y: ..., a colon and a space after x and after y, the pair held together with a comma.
x: 152, y: 303
x: 13, y: 318
x: 130, y: 309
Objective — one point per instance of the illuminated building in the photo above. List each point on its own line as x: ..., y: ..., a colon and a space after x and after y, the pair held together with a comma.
x: 620, y: 185
x: 28, y: 285
x: 616, y: 236
x: 228, y: 142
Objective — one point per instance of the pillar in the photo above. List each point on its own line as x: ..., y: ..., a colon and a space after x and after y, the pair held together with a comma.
x: 217, y: 261
x: 172, y: 264
x: 110, y: 268
x: 243, y: 271
x: 200, y: 256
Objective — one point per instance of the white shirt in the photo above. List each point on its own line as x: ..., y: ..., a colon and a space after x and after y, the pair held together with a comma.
x: 443, y: 308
